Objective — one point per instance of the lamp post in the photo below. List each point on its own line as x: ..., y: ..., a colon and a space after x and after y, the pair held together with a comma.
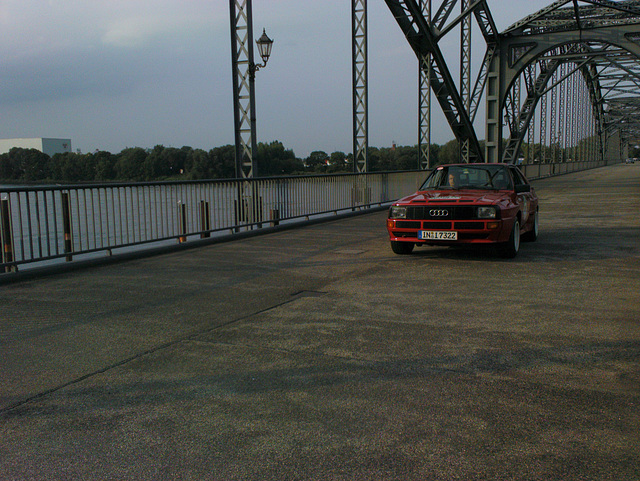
x: 264, y: 48
x: 244, y: 70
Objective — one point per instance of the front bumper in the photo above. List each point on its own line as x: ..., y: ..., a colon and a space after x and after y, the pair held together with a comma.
x: 485, y: 231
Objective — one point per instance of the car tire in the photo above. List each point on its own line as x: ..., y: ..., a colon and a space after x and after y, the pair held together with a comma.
x: 532, y: 235
x: 510, y: 248
x: 402, y: 248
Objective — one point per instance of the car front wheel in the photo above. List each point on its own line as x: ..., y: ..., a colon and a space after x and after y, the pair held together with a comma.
x: 510, y: 248
x: 402, y: 248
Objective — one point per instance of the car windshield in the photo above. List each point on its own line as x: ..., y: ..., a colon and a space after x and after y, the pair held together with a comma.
x: 492, y: 177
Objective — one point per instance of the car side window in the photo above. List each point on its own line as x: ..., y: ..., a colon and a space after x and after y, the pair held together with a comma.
x: 524, y: 179
x: 518, y: 179
x: 502, y: 180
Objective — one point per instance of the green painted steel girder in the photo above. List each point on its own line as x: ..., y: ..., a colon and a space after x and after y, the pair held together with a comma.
x: 602, y: 39
x: 600, y: 53
x: 423, y: 37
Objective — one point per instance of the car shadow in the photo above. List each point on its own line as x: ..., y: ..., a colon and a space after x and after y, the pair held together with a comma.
x: 568, y: 244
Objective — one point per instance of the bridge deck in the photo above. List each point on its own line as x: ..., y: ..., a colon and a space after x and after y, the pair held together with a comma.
x: 318, y: 354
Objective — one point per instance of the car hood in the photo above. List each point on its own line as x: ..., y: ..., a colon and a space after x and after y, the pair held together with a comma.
x: 455, y: 196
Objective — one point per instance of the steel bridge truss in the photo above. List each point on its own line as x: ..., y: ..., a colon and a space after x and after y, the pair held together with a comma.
x: 458, y: 104
x: 568, y: 75
x: 567, y: 56
x: 589, y: 53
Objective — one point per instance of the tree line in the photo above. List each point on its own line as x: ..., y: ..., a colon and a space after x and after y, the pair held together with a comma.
x: 186, y: 163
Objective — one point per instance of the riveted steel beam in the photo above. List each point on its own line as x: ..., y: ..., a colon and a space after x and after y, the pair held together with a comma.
x: 600, y: 39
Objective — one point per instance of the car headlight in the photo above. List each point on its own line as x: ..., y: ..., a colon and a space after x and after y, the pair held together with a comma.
x: 487, y: 212
x: 398, y: 212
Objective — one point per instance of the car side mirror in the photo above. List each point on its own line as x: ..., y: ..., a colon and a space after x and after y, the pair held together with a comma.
x: 522, y: 188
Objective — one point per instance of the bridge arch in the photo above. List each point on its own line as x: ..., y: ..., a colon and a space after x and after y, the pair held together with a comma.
x: 589, y: 62
x: 537, y: 46
x: 582, y: 32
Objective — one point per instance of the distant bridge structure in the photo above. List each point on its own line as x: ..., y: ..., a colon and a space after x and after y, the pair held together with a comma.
x: 562, y: 84
x: 565, y: 81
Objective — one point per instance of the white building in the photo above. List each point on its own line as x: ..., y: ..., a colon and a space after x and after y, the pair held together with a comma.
x: 48, y: 146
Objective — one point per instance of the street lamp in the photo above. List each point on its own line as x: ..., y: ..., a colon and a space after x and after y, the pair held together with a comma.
x: 264, y: 48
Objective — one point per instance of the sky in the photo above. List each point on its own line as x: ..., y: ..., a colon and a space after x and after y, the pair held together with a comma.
x: 111, y: 74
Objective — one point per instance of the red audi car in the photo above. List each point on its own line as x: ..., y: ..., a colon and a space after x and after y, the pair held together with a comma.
x: 467, y: 204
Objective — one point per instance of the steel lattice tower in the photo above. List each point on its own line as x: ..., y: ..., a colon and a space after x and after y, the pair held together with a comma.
x: 244, y: 109
x: 424, y: 100
x: 360, y: 88
x: 465, y: 71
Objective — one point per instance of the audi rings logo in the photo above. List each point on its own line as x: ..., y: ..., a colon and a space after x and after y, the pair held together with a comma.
x: 438, y: 213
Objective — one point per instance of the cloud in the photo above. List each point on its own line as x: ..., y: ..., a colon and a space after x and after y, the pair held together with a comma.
x: 139, y: 31
x: 75, y: 48
x: 63, y: 76
x: 129, y: 32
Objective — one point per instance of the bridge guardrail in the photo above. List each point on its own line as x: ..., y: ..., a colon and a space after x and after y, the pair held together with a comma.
x: 539, y: 171
x: 49, y: 224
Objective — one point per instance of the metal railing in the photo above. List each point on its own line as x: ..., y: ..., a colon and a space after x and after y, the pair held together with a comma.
x: 541, y: 170
x: 51, y: 224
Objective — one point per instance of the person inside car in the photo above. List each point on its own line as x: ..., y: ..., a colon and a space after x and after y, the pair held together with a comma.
x: 454, y: 182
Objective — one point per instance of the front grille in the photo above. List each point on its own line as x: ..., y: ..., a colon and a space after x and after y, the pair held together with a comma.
x: 472, y: 236
x: 454, y: 212
x: 437, y: 225
x: 403, y: 224
x: 468, y: 225
x: 404, y: 234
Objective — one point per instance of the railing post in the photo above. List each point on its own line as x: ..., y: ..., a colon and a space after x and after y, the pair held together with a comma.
x: 257, y: 208
x: 66, y: 225
x: 7, y: 235
x: 275, y: 217
x: 182, y: 211
x: 240, y: 208
x: 205, y: 219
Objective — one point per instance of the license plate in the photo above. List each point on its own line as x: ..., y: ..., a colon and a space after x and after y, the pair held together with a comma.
x: 437, y: 235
